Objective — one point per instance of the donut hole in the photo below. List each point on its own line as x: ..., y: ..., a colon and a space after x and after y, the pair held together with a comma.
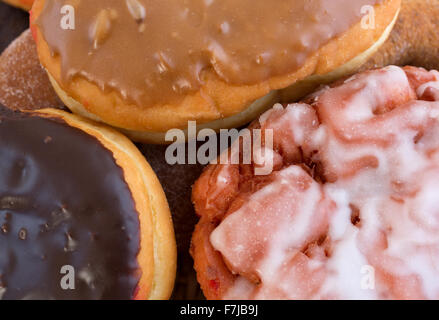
x: 355, y: 216
x: 430, y: 94
x: 318, y: 247
x: 418, y: 76
x: 380, y: 110
x: 418, y: 137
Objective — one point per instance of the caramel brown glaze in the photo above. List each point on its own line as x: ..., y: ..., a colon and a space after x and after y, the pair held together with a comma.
x: 414, y: 39
x: 163, y: 47
x: 24, y: 85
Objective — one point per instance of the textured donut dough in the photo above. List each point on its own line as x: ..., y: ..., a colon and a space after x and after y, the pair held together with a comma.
x: 414, y: 39
x: 157, y: 256
x: 23, y: 83
x: 216, y: 99
x: 23, y: 4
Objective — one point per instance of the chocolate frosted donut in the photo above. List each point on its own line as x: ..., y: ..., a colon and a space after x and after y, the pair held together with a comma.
x: 147, y: 67
x: 77, y: 195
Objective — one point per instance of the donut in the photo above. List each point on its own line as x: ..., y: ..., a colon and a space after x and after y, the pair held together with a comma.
x: 78, y: 200
x: 175, y: 179
x: 135, y: 66
x: 408, y: 44
x: 23, y: 4
x: 24, y: 85
x: 349, y: 210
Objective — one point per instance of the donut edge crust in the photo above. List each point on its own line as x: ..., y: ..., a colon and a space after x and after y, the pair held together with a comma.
x: 20, y: 4
x: 216, y: 100
x: 158, y: 254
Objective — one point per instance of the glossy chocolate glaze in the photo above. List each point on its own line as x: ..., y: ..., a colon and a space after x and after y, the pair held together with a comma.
x: 63, y: 201
x: 155, y: 52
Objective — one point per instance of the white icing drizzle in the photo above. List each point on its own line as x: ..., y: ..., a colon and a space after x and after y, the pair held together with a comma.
x: 378, y: 144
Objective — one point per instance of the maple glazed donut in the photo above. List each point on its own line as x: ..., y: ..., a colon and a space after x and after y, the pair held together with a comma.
x: 23, y: 4
x: 76, y: 194
x: 353, y: 195
x: 147, y: 67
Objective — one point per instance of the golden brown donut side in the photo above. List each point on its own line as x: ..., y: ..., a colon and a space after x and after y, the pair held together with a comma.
x: 216, y: 99
x: 157, y: 256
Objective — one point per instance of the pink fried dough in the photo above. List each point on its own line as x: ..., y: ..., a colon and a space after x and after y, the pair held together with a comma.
x: 352, y: 208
